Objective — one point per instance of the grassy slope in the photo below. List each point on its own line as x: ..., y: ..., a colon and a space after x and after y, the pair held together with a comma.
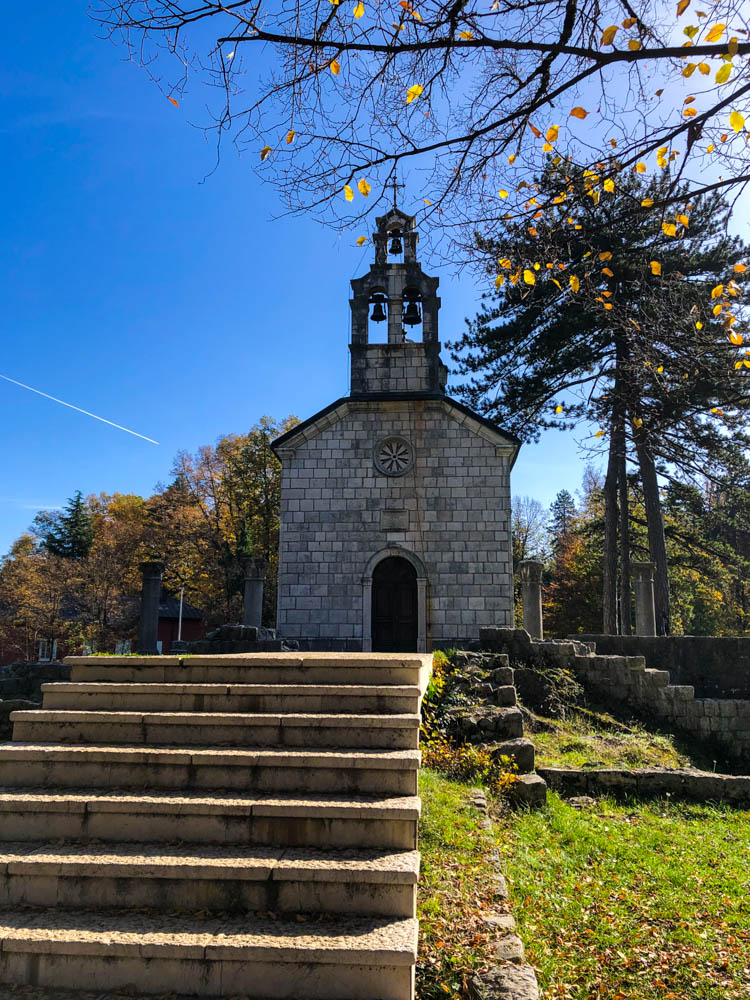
x: 633, y: 902
x: 596, y: 738
x: 455, y: 888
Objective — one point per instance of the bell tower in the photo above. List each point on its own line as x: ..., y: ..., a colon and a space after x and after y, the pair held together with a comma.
x: 397, y: 292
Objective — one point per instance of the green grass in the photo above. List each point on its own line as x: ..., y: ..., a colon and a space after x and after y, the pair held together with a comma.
x: 455, y: 888
x: 632, y: 902
x: 597, y: 739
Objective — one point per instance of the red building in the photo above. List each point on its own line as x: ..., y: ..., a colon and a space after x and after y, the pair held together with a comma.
x: 193, y: 626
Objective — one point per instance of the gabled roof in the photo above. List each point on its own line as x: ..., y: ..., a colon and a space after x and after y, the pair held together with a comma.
x: 331, y: 414
x: 169, y: 607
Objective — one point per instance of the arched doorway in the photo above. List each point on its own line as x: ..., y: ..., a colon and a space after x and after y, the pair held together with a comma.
x: 394, y: 606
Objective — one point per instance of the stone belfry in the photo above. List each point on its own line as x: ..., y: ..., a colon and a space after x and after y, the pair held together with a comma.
x: 401, y: 295
x: 395, y: 499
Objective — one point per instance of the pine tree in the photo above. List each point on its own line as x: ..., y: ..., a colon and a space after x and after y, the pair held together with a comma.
x: 640, y: 337
x: 562, y: 514
x: 68, y: 533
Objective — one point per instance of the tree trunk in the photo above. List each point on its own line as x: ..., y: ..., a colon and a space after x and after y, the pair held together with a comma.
x: 609, y: 568
x: 622, y: 481
x: 656, y: 540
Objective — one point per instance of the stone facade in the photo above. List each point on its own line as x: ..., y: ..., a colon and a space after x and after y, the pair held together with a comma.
x: 395, y: 469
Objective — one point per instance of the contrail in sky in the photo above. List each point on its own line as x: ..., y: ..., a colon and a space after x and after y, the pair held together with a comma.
x: 78, y: 408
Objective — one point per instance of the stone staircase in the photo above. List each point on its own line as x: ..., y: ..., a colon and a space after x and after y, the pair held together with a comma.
x: 215, y: 826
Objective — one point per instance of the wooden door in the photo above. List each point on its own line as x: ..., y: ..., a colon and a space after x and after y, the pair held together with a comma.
x: 394, y: 606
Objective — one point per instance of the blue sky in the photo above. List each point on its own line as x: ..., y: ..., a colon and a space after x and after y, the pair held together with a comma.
x: 130, y: 287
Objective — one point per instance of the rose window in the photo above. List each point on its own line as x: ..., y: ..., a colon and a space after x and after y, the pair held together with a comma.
x: 393, y: 456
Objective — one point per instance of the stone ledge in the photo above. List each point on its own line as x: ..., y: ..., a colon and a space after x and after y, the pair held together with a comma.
x: 696, y: 786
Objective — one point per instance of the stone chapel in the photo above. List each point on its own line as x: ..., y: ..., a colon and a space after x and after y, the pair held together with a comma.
x: 395, y: 499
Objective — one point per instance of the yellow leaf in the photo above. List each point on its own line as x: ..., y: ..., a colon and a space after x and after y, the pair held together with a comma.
x: 558, y: 409
x: 647, y: 202
x: 575, y: 283
x: 511, y: 158
x: 348, y: 193
x: 335, y: 67
x: 669, y: 228
x: 660, y: 369
x: 690, y: 112
x: 290, y: 136
x: 552, y: 133
x: 557, y: 283
x: 634, y: 44
x: 364, y: 187
x: 528, y: 277
x: 710, y: 148
x: 715, y: 33
x: 606, y: 270
x: 637, y: 422
x: 608, y: 35
x: 361, y: 240
x: 466, y: 35
x: 732, y: 46
x: 682, y: 6
x: 724, y: 73
x: 599, y: 434
x: 359, y: 9
x: 699, y: 325
x: 655, y: 267
x: 736, y: 338
x: 427, y: 201
x: 578, y: 113
x: 704, y: 68
x: 609, y: 184
x: 265, y: 153
x: 689, y: 69
x: 503, y: 193
x: 737, y: 121
x: 413, y: 93
x: 717, y: 308
x: 629, y: 22
x: 740, y: 268
x: 535, y: 130
x: 548, y: 147
x: 717, y: 291
x: 684, y: 220
x: 605, y: 255
x: 737, y: 364
x: 499, y: 281
x: 641, y: 168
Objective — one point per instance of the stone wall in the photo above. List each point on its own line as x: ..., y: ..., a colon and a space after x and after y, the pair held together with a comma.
x: 717, y: 667
x: 450, y: 511
x: 627, y: 681
x: 649, y: 783
x: 21, y: 687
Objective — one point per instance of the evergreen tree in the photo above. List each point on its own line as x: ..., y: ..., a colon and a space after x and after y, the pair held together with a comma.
x: 68, y: 533
x: 640, y: 337
x: 562, y: 514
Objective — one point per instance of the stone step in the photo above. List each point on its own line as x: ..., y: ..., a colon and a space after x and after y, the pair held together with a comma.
x: 157, y: 817
x: 394, y: 699
x: 392, y: 732
x: 362, y: 771
x: 206, y: 878
x: 371, y: 958
x: 257, y: 668
x: 520, y: 750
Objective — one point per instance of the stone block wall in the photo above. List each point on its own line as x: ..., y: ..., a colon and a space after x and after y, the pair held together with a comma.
x: 717, y: 667
x: 21, y: 687
x: 626, y: 680
x: 450, y: 511
x: 408, y: 367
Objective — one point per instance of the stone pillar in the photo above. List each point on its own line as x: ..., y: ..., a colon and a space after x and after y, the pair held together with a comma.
x: 643, y: 584
x: 255, y: 574
x: 530, y: 571
x: 148, y: 627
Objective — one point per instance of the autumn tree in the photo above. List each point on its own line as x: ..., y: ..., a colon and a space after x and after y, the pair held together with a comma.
x: 631, y: 327
x: 332, y: 98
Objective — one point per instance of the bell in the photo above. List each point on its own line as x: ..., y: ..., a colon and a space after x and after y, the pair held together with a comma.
x: 378, y: 313
x: 411, y: 316
x: 396, y: 247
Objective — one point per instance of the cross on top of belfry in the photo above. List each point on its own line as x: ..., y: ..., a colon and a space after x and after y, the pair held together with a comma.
x: 395, y: 185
